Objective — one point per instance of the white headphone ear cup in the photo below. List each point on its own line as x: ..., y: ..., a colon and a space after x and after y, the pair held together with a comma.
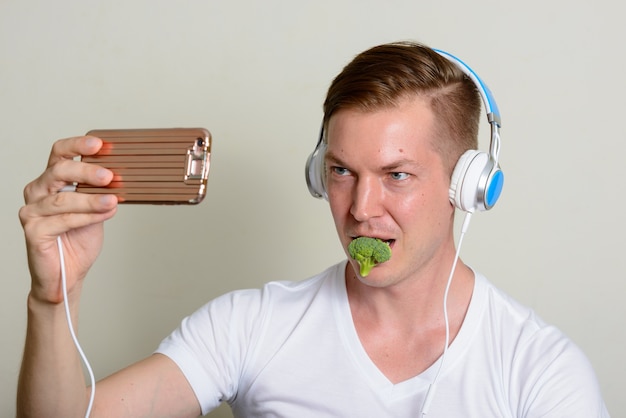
x: 315, y: 172
x: 465, y: 180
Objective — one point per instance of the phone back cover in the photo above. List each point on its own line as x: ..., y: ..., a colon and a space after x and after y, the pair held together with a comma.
x: 166, y: 166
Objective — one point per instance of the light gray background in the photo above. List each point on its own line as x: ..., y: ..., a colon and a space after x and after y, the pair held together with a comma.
x: 255, y: 74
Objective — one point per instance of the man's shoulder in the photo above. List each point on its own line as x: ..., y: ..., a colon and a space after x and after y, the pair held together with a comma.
x: 543, y: 363
x: 284, y: 292
x: 507, y: 307
x: 520, y: 328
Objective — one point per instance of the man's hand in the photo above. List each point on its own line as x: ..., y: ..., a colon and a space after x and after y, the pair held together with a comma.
x: 76, y: 217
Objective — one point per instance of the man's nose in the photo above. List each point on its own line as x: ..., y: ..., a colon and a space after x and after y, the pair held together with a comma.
x: 367, y: 199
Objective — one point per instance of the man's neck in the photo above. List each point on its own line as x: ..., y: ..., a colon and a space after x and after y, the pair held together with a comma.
x: 402, y: 327
x: 418, y: 298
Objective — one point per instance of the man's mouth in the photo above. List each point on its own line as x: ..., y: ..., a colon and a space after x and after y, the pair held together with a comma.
x: 389, y: 241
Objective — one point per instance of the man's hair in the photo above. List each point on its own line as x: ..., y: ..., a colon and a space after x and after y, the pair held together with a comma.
x: 384, y: 75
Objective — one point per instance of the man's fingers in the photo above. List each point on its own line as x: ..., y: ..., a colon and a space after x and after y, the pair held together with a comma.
x: 63, y: 169
x: 69, y: 148
x: 63, y: 173
x: 74, y: 213
x: 41, y: 231
x: 70, y: 203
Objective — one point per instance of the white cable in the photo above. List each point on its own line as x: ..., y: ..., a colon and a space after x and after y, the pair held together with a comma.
x: 432, y: 388
x: 69, y: 323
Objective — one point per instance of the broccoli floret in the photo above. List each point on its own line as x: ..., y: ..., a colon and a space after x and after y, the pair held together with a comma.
x: 368, y: 252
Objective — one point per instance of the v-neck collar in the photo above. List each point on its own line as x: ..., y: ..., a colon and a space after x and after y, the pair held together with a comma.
x: 372, y: 374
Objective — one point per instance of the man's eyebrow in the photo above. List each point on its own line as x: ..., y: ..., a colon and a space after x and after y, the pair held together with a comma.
x: 330, y: 157
x: 400, y: 163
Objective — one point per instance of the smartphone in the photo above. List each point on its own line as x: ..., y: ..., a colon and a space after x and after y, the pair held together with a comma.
x: 155, y: 166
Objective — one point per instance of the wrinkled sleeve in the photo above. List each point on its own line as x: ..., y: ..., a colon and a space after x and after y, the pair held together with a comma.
x: 211, y: 345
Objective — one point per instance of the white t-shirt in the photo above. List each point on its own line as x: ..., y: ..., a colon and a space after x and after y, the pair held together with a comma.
x: 291, y: 350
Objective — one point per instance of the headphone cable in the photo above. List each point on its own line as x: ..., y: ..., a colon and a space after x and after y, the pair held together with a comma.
x: 432, y: 388
x: 71, y: 327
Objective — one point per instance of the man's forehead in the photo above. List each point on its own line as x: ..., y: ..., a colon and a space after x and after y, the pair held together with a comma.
x: 414, y: 107
x: 412, y: 121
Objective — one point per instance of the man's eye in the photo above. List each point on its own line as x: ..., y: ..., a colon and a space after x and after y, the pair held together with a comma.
x: 341, y: 171
x: 399, y: 176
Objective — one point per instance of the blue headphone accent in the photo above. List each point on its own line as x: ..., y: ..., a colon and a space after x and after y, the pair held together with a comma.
x: 495, y: 188
x: 477, y: 180
x: 489, y: 101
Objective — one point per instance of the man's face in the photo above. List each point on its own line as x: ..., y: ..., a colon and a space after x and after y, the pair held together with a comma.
x: 385, y: 180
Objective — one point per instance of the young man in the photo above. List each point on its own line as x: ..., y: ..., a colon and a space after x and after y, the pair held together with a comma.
x: 396, y: 121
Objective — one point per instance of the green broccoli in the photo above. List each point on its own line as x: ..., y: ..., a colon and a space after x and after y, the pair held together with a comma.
x: 368, y: 252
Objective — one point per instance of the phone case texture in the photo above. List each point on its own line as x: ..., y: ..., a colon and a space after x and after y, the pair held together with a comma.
x: 158, y: 166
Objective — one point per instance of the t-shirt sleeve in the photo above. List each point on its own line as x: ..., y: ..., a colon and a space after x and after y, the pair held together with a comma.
x: 211, y: 345
x: 559, y: 380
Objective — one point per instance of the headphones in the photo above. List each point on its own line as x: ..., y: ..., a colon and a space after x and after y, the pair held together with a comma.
x: 477, y: 180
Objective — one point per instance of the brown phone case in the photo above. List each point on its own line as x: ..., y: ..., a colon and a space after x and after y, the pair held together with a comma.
x: 158, y: 166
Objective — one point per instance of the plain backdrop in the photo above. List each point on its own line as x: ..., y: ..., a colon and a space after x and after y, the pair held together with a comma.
x: 255, y: 74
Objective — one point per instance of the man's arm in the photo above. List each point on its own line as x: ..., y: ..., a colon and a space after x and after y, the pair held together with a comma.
x: 154, y: 386
x: 51, y: 382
